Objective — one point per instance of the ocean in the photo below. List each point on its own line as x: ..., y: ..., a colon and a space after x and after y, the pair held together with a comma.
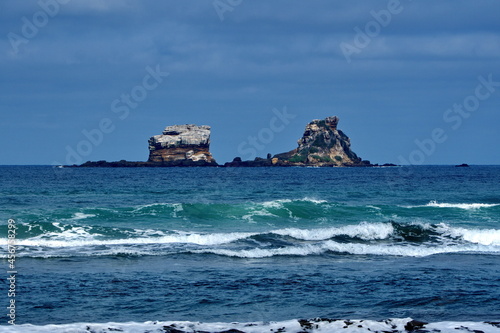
x: 250, y: 249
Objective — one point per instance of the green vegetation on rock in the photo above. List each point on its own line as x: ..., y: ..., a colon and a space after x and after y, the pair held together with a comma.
x: 320, y: 142
x: 322, y: 158
x: 298, y: 158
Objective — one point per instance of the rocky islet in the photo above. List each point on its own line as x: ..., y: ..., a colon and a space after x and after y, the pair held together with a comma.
x: 321, y: 145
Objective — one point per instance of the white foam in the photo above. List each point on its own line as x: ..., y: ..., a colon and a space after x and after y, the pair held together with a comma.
x: 155, y: 204
x: 366, y: 231
x: 64, y: 235
x: 287, y: 326
x: 352, y: 248
x: 316, y: 201
x: 77, y: 236
x: 315, y: 241
x: 58, y: 226
x: 256, y: 212
x: 459, y: 205
x: 147, y: 233
x: 275, y: 203
x: 478, y: 236
x: 81, y: 216
x: 279, y: 202
x: 177, y: 209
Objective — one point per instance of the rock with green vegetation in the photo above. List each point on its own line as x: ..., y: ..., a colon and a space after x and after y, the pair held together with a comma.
x: 322, y: 144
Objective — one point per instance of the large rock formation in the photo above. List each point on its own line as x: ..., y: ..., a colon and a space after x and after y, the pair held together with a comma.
x: 182, y: 145
x: 322, y: 144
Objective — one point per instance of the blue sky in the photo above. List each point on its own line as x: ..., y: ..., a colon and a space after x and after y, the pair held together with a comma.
x: 414, y: 82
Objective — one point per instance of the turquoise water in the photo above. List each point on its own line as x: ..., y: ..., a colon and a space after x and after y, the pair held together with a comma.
x: 253, y: 244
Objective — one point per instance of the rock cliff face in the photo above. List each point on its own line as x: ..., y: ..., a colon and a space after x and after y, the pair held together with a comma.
x: 182, y: 145
x: 322, y: 144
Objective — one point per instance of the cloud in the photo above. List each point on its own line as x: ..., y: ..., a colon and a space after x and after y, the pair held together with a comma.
x: 262, y: 55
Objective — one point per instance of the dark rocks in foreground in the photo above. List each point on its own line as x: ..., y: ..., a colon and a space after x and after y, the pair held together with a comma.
x: 413, y: 325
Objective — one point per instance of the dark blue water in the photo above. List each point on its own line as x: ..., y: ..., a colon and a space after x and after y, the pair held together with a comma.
x: 253, y: 244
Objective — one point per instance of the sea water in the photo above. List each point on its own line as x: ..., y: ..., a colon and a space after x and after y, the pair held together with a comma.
x: 253, y: 249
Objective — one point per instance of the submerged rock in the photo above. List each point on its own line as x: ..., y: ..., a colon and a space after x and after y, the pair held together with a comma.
x: 413, y: 325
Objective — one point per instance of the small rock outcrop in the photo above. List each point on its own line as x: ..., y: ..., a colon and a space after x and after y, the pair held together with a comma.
x: 322, y: 144
x: 182, y: 145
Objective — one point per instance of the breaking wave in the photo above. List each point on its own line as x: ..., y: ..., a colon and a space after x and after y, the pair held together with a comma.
x: 388, y: 238
x: 457, y: 205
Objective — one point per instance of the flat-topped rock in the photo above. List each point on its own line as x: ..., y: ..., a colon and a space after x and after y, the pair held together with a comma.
x: 182, y: 145
x: 181, y: 135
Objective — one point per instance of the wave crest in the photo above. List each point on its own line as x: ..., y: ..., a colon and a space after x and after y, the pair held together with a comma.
x: 467, y: 206
x: 389, y: 238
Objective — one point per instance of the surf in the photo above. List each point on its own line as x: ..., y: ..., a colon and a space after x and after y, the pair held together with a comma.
x: 381, y: 239
x: 318, y: 325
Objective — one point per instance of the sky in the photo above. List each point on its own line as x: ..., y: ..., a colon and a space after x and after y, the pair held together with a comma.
x: 412, y: 81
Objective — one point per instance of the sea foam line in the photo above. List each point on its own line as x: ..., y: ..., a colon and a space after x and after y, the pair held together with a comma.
x: 351, y: 248
x: 467, y: 206
x: 288, y: 326
x: 257, y: 253
x: 366, y: 231
x: 80, y: 236
x: 194, y: 238
x: 478, y: 236
x: 85, y: 236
